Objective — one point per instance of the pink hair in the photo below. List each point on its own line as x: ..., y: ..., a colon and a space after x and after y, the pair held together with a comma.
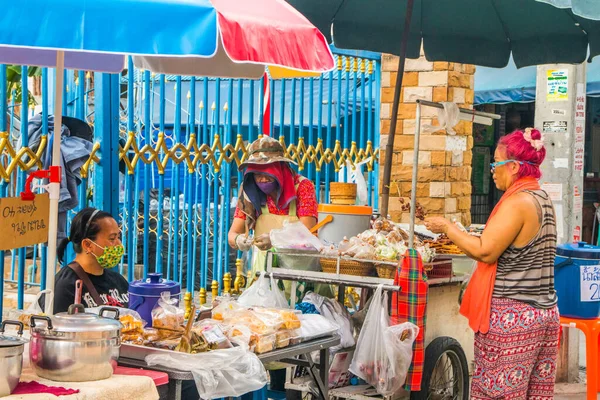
x: 520, y: 149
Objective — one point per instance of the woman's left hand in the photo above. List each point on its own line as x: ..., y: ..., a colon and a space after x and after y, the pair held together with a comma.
x: 263, y: 242
x: 437, y: 224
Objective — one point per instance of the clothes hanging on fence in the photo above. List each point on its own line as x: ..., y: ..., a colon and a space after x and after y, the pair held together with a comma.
x: 410, y: 304
x: 75, y: 147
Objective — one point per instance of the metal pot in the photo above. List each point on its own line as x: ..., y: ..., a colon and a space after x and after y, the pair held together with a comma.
x: 11, y: 358
x: 75, y: 346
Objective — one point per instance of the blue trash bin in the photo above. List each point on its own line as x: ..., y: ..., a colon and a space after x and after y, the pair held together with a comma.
x: 577, y: 280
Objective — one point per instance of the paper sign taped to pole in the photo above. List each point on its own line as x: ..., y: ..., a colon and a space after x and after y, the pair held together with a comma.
x: 24, y: 223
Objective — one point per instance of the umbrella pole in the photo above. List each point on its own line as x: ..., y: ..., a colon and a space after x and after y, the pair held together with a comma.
x: 389, y: 148
x: 54, y: 188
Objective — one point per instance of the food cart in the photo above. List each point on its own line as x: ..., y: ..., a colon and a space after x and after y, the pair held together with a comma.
x: 449, y: 349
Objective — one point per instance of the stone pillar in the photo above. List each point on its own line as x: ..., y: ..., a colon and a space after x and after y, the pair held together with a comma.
x: 560, y: 115
x: 444, y: 180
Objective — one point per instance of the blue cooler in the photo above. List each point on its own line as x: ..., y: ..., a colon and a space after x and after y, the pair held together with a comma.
x: 144, y: 294
x: 577, y: 280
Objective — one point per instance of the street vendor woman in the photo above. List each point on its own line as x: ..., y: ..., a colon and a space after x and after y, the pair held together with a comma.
x: 271, y: 193
x: 96, y: 239
x: 510, y: 300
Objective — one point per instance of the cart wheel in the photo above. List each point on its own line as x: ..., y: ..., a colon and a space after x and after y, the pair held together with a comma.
x: 445, y: 373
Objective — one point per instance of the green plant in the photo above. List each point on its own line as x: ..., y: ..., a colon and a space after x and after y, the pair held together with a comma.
x: 13, y: 82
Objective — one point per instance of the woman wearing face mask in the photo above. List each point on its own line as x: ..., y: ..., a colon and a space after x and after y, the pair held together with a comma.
x: 271, y: 193
x: 96, y: 239
x: 510, y: 301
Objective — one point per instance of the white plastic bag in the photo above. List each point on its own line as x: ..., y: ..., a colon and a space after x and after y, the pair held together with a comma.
x: 295, y: 236
x: 448, y: 118
x: 382, y: 358
x: 336, y: 313
x: 263, y: 293
x: 224, y: 373
x: 355, y: 175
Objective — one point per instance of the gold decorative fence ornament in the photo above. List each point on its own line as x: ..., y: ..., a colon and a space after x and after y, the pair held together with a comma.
x: 191, y: 154
x: 217, y: 154
x: 24, y: 158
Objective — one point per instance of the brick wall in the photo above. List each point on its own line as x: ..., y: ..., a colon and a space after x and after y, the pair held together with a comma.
x: 444, y: 179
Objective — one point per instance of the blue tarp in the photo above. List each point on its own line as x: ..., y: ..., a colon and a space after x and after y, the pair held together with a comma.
x: 512, y: 85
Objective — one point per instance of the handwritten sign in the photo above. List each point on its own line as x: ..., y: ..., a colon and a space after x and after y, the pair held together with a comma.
x: 24, y: 223
x: 590, y: 282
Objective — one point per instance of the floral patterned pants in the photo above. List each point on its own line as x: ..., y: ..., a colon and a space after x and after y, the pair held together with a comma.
x: 516, y: 359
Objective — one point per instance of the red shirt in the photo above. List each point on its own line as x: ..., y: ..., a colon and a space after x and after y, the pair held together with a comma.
x: 306, y: 201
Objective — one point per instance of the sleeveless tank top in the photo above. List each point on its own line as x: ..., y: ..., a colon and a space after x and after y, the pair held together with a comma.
x: 527, y: 273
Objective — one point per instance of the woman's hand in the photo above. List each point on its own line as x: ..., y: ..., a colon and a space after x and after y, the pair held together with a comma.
x: 437, y: 224
x: 263, y: 242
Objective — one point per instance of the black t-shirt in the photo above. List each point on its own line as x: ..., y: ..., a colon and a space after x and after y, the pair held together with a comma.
x: 111, y: 286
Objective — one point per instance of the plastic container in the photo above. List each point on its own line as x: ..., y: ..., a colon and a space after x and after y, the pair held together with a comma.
x: 144, y: 294
x: 577, y: 280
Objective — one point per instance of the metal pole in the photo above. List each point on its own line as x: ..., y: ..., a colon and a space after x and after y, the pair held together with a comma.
x: 389, y: 148
x: 415, y: 172
x: 55, y: 187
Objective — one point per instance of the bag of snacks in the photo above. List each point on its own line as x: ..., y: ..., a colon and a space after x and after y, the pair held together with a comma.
x: 383, y: 354
x: 166, y: 314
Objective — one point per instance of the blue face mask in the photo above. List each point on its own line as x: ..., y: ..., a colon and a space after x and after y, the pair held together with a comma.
x: 267, y: 187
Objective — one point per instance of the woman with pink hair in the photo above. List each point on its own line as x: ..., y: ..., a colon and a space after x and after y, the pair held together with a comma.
x: 510, y: 300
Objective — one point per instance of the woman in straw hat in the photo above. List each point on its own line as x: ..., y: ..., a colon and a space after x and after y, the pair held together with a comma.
x: 271, y: 193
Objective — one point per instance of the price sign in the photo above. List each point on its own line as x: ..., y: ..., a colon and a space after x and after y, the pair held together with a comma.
x: 590, y: 282
x: 24, y: 223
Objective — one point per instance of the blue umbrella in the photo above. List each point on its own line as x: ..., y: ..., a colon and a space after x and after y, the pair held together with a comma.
x: 191, y: 37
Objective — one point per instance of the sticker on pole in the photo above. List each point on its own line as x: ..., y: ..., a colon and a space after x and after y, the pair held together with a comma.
x: 24, y: 223
x: 590, y: 282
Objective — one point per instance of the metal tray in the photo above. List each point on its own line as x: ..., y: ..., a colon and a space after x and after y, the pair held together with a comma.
x: 137, y: 352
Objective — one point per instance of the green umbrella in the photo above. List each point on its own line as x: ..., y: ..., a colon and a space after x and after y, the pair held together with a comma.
x: 480, y: 32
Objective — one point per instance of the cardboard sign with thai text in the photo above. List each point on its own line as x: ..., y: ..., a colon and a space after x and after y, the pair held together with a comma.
x: 24, y: 223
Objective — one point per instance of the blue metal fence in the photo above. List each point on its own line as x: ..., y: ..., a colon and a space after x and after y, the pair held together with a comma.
x: 171, y: 174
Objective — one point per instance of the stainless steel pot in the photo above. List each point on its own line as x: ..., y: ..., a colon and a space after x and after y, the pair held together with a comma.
x: 75, y: 346
x: 11, y: 358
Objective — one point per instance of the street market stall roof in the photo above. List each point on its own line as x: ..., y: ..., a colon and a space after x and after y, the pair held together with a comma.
x: 512, y: 85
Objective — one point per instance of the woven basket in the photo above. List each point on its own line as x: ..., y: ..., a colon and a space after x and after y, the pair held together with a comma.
x: 441, y: 268
x: 386, y: 271
x: 347, y: 267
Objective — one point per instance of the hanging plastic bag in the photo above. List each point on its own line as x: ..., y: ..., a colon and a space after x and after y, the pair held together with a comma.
x: 448, y: 118
x: 383, y: 354
x: 218, y: 374
x: 333, y: 311
x: 263, y: 293
x: 356, y: 175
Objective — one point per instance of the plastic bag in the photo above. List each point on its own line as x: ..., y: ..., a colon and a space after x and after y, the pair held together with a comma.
x: 166, y: 314
x: 336, y: 313
x: 225, y: 373
x: 295, y: 236
x: 315, y: 326
x: 382, y: 357
x: 355, y: 175
x: 263, y: 293
x: 448, y: 118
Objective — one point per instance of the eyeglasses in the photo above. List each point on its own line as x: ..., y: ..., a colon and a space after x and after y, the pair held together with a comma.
x: 499, y: 163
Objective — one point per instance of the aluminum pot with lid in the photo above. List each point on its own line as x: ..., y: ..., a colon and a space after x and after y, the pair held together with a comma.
x: 11, y: 358
x: 75, y: 346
